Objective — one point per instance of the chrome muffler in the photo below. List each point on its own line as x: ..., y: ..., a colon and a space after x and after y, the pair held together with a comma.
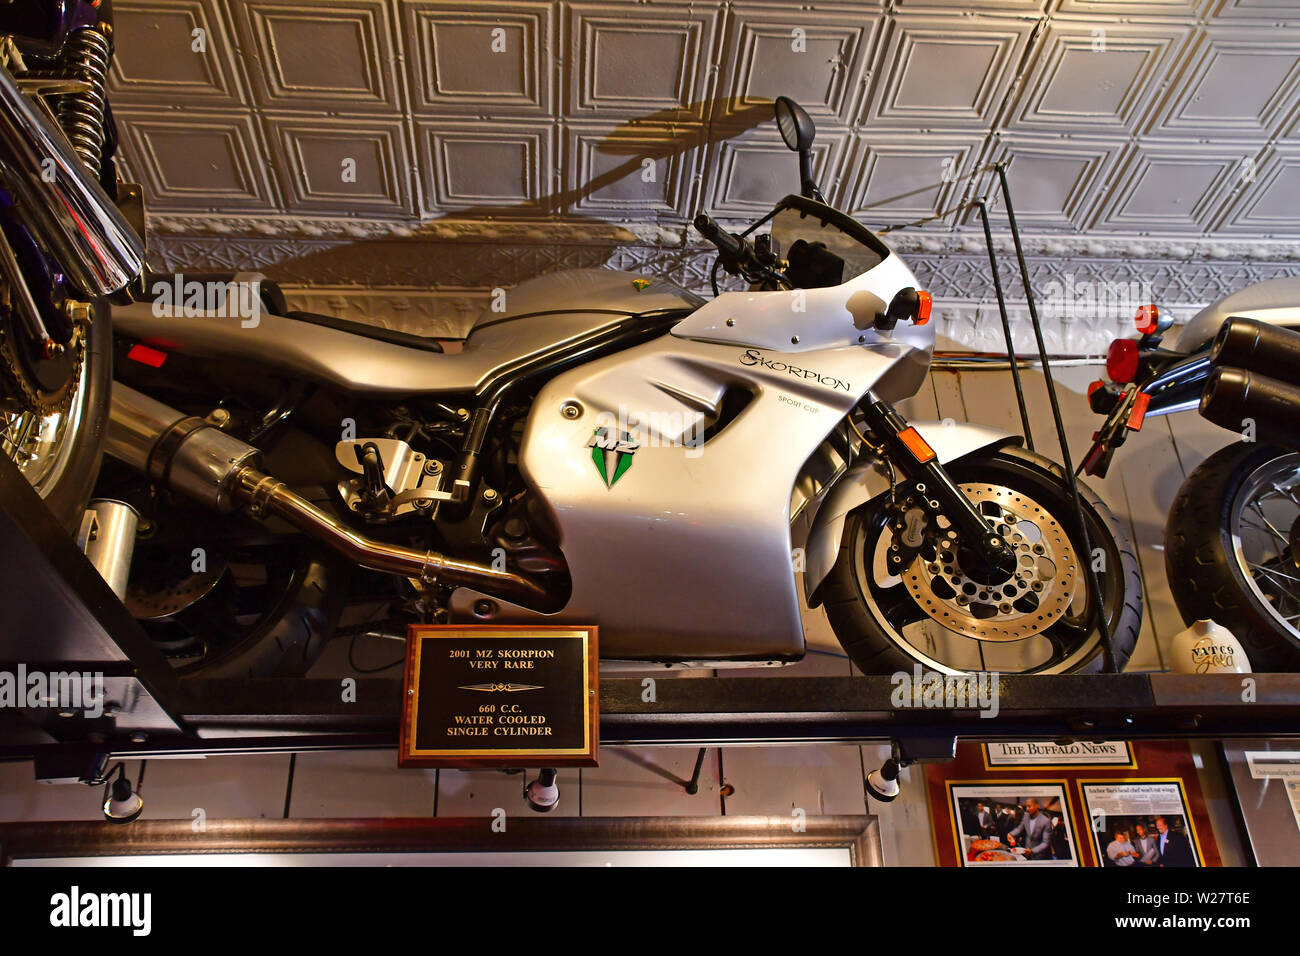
x: 60, y: 200
x: 197, y: 459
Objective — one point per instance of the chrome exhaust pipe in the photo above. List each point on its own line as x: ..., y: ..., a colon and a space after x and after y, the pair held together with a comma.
x: 60, y: 200
x: 199, y: 460
x: 1235, y: 398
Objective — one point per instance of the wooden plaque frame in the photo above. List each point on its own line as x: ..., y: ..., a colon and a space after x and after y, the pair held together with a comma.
x: 505, y: 757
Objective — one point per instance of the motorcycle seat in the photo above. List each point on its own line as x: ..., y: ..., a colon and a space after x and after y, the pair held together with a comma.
x: 404, y: 339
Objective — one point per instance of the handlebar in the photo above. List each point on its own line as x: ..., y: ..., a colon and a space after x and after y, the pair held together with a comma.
x: 737, y: 255
x: 735, y: 250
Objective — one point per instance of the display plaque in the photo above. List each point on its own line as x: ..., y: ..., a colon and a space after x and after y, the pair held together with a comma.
x: 487, y: 696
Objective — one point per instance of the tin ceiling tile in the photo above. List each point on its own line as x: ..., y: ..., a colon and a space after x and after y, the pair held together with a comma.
x: 1241, y: 82
x: 198, y: 162
x: 343, y: 166
x: 651, y: 63
x: 179, y: 54
x: 817, y: 56
x: 335, y: 57
x: 945, y: 72
x: 1095, y: 78
x: 485, y: 58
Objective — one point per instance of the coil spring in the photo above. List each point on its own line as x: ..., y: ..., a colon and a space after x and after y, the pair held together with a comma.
x: 85, y: 58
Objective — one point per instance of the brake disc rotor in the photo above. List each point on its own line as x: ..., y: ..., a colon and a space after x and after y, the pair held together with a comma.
x: 1035, y: 597
x: 153, y: 595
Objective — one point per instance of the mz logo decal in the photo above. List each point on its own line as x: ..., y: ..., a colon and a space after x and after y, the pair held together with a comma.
x: 612, y: 452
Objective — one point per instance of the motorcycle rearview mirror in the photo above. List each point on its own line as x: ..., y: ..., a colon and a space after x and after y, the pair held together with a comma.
x: 798, y: 130
x: 795, y: 124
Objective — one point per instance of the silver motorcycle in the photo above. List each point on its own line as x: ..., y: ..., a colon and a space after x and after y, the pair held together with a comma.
x: 692, y: 476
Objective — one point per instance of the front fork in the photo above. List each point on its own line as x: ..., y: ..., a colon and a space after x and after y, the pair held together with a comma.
x: 937, y: 493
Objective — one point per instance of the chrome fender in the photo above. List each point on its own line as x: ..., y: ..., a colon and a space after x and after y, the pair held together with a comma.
x: 866, y: 480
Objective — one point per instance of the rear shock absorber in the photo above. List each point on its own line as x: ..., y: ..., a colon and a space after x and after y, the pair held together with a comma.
x: 85, y: 57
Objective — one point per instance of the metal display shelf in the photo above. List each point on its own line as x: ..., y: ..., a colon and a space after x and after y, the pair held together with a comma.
x: 59, y: 615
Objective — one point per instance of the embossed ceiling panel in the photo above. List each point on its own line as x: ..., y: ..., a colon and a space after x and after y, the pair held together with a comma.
x: 558, y: 132
x: 1239, y: 80
x: 653, y: 60
x: 1057, y: 181
x: 361, y: 164
x: 753, y: 170
x: 508, y: 167
x: 945, y: 70
x: 487, y: 58
x: 1179, y: 186
x: 903, y: 177
x: 1108, y: 80
x: 1270, y: 203
x: 185, y: 76
x: 197, y: 161
x: 633, y: 171
x: 816, y: 56
x: 329, y: 57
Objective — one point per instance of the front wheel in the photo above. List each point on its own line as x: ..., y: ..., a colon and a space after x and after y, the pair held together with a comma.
x: 945, y: 613
x: 52, y: 419
x: 1230, y: 550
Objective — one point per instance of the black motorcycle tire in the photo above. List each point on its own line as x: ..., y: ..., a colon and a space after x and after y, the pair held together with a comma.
x: 866, y: 639
x: 291, y: 634
x: 68, y: 496
x: 1207, y: 581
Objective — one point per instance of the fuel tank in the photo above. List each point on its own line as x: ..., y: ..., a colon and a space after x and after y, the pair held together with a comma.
x: 589, y: 291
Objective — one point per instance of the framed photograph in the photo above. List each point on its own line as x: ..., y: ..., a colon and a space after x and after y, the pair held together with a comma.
x: 1140, y: 823
x: 1049, y: 755
x: 1266, y: 783
x: 1022, y: 824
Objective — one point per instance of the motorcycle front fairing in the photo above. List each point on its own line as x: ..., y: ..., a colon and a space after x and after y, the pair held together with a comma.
x: 667, y: 469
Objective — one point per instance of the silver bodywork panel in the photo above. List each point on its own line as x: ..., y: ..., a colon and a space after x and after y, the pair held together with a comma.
x: 1275, y: 301
x: 687, y: 555
x: 573, y: 304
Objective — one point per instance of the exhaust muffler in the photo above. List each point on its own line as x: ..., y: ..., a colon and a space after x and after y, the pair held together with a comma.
x: 1257, y: 347
x: 1234, y: 397
x: 197, y: 459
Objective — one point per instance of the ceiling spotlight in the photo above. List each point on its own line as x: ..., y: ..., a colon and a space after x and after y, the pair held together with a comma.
x: 121, y: 803
x: 543, y: 794
x: 883, y: 783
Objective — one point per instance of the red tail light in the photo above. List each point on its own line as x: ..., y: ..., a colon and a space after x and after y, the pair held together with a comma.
x: 1122, y: 360
x: 1147, y: 319
x: 146, y: 355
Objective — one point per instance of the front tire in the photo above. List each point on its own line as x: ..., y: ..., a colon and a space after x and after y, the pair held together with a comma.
x: 1229, y: 554
x: 882, y: 621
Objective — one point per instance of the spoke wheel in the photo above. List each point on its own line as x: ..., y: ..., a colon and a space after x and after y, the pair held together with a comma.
x: 1230, y: 550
